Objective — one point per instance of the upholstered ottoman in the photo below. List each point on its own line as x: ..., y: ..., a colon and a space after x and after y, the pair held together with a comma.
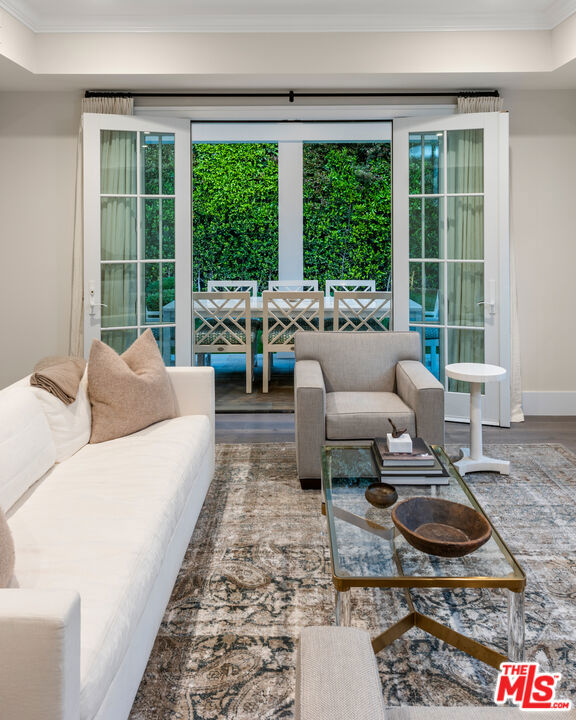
x: 336, y: 676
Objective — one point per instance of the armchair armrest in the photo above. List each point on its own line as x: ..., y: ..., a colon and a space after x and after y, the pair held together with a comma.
x: 40, y: 654
x: 310, y: 414
x: 194, y: 391
x: 422, y: 392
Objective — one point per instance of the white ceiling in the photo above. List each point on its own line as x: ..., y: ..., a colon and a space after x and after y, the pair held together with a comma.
x: 287, y: 15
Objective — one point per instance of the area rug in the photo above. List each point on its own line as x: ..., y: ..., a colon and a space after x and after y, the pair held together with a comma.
x: 257, y: 571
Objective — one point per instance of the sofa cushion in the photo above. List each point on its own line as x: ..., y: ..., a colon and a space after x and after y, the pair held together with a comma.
x: 27, y: 449
x: 358, y: 415
x: 69, y: 424
x: 128, y: 392
x: 100, y: 525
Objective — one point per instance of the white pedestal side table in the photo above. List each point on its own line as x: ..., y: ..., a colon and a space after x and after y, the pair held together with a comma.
x: 473, y: 458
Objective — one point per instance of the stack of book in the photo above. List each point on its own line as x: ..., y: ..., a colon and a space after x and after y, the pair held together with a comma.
x: 419, y: 467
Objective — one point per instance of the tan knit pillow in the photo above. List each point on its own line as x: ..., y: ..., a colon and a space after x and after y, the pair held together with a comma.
x: 6, y: 552
x: 128, y: 392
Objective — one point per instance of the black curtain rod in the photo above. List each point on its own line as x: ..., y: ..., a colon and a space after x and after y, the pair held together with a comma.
x: 291, y: 94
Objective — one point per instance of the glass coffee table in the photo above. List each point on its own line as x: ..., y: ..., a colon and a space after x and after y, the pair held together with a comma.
x: 368, y: 551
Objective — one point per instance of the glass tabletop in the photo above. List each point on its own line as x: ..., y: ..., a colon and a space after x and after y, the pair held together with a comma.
x: 367, y: 549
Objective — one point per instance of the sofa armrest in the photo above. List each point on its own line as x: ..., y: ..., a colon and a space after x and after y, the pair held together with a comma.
x: 310, y: 414
x: 39, y: 654
x: 422, y: 392
x: 195, y: 391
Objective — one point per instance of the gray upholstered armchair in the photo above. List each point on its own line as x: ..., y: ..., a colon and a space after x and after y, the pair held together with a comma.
x: 347, y: 385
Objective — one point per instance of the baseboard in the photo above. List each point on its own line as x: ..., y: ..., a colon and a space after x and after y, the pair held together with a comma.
x: 549, y: 403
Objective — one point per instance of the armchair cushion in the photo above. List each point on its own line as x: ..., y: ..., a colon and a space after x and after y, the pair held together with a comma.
x: 359, y: 415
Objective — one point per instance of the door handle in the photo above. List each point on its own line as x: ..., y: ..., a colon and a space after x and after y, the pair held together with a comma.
x: 92, y: 302
x: 491, y: 302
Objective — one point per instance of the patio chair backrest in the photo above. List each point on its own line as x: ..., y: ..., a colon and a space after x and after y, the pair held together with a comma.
x: 293, y: 285
x: 250, y: 286
x: 333, y: 286
x: 222, y: 320
x: 284, y: 313
x: 357, y: 311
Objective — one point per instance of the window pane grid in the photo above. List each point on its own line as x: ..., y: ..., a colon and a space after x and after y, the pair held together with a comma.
x: 149, y: 182
x: 446, y: 169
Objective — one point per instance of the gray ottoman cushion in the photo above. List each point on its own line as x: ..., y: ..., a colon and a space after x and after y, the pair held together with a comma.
x: 336, y: 676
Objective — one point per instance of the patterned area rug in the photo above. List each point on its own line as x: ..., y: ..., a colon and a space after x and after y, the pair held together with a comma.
x: 257, y: 570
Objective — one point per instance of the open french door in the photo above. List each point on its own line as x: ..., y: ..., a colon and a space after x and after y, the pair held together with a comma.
x: 137, y: 233
x: 450, y: 248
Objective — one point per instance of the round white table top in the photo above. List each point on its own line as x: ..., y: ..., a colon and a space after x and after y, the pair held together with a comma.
x: 475, y: 372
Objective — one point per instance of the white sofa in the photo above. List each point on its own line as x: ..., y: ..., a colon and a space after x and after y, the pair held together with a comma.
x: 99, y: 539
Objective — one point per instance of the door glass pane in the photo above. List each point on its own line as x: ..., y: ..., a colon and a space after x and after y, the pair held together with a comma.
x: 426, y: 292
x: 465, y: 162
x: 426, y: 160
x: 119, y: 340
x: 157, y: 163
x: 117, y: 162
x: 168, y: 229
x: 118, y: 229
x: 166, y: 339
x: 426, y: 228
x: 465, y: 291
x: 235, y: 212
x: 432, y: 339
x: 464, y: 346
x: 157, y: 284
x: 119, y: 294
x: 158, y: 234
x: 347, y: 212
x: 466, y: 228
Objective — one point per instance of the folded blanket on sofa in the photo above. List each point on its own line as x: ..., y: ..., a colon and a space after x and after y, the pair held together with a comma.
x: 59, y: 376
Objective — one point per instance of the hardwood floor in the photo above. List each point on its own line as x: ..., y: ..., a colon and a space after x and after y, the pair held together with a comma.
x: 279, y: 427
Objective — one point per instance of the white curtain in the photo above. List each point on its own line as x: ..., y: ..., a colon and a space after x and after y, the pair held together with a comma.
x: 494, y: 104
x: 110, y: 106
x: 465, y: 242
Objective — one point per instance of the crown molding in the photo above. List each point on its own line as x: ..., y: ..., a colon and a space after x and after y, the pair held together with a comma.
x: 556, y: 13
x: 559, y: 11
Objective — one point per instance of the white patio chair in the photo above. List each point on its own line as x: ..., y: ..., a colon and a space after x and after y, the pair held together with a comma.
x: 293, y: 285
x: 250, y: 286
x: 222, y: 324
x: 333, y: 286
x: 284, y: 313
x: 357, y: 311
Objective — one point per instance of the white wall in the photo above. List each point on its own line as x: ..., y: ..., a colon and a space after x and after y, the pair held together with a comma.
x: 37, y: 171
x: 38, y: 134
x: 543, y: 229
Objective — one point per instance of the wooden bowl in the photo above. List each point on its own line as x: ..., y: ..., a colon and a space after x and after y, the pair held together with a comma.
x: 441, y: 527
x: 381, y: 495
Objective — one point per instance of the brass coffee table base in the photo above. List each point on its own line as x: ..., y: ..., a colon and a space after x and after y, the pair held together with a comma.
x: 432, y: 627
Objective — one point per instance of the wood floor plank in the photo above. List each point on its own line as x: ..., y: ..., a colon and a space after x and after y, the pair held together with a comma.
x: 279, y: 427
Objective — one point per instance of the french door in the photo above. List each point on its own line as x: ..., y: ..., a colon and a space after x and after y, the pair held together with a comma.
x: 137, y: 234
x: 450, y: 239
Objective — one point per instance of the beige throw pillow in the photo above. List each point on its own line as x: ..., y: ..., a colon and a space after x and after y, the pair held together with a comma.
x: 6, y: 552
x: 128, y: 392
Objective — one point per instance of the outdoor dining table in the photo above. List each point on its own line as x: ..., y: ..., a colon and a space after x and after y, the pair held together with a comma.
x: 257, y: 309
